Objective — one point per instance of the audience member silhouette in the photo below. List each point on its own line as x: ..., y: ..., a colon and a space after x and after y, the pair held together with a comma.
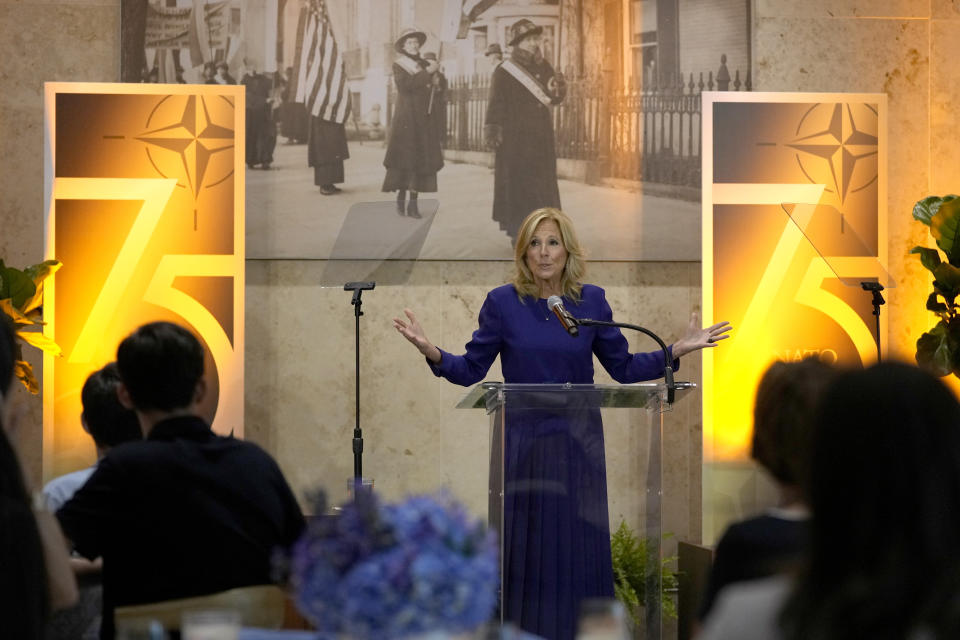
x: 35, y: 575
x: 184, y: 512
x: 110, y: 424
x: 107, y: 421
x: 783, y: 418
x: 884, y: 492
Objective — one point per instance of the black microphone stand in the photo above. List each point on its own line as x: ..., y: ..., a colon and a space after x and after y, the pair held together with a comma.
x: 667, y: 360
x: 358, y: 288
x: 878, y: 300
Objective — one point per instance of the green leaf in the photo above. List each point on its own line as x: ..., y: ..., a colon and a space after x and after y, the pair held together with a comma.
x: 934, y: 304
x: 948, y: 295
x: 947, y: 277
x: 6, y: 305
x: 925, y: 209
x: 24, y: 373
x: 929, y: 258
x: 38, y: 273
x: 633, y: 559
x: 18, y: 286
x: 934, y: 352
x: 945, y: 229
x: 40, y: 341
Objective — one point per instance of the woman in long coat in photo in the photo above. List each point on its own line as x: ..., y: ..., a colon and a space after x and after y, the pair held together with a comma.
x: 326, y: 151
x: 519, y: 127
x: 413, y: 150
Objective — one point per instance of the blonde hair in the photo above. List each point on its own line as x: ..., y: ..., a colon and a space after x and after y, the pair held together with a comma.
x: 573, y: 270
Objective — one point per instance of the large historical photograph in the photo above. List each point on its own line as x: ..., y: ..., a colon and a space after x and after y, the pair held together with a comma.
x: 379, y: 129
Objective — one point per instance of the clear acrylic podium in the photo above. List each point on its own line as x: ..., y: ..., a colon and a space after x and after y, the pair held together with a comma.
x: 553, y: 461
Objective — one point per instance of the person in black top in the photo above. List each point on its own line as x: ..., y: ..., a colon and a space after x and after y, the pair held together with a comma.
x: 110, y: 424
x: 260, y: 127
x: 494, y: 55
x: 222, y: 74
x: 35, y: 576
x: 209, y: 73
x: 294, y: 120
x: 184, y: 512
x: 783, y: 424
x: 882, y: 560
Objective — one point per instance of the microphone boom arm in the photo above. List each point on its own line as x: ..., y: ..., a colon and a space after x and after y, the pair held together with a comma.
x: 667, y: 359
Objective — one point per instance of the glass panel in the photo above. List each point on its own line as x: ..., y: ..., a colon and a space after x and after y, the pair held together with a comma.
x: 548, y: 496
x: 486, y: 394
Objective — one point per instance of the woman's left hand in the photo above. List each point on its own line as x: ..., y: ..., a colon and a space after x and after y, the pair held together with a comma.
x: 696, y: 338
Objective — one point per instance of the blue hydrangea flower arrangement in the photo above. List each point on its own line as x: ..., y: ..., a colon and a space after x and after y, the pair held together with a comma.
x: 393, y: 570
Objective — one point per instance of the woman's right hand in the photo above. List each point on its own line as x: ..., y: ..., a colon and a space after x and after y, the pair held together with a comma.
x: 412, y: 331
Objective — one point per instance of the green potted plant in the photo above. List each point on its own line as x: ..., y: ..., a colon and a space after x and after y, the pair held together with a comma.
x: 21, y: 298
x: 633, y: 560
x: 939, y: 348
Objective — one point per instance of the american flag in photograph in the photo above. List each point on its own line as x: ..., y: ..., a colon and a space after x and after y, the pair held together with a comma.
x: 458, y: 15
x: 470, y: 11
x: 320, y: 76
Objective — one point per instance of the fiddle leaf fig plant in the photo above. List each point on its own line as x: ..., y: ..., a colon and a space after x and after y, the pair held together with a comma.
x: 21, y: 299
x: 939, y: 348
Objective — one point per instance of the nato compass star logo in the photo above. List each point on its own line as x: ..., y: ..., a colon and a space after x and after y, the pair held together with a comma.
x: 836, y: 145
x: 184, y: 134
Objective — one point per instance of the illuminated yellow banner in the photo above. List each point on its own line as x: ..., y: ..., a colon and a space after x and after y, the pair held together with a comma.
x: 144, y: 207
x: 794, y: 222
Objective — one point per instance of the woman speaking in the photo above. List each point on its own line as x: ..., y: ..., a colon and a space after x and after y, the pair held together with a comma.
x: 554, y: 555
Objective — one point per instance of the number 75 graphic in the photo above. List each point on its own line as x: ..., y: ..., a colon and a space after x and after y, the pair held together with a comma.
x: 154, y: 194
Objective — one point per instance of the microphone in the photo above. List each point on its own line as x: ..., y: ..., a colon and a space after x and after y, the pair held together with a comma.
x: 568, y: 321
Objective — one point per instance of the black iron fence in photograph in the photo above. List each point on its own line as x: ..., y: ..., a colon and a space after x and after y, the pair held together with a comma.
x: 643, y: 132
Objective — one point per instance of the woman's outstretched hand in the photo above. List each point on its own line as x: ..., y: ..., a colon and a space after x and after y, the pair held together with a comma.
x: 697, y: 338
x: 412, y: 331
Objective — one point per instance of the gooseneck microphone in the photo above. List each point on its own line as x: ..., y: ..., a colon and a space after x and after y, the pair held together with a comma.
x: 568, y: 321
x: 570, y: 324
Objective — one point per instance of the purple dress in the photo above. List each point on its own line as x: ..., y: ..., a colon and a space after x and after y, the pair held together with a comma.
x: 556, y: 527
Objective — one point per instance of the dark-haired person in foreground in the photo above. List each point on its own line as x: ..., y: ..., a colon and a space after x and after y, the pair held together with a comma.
x: 185, y: 512
x: 107, y: 421
x: 35, y: 576
x: 110, y: 424
x: 783, y: 424
x: 884, y: 495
